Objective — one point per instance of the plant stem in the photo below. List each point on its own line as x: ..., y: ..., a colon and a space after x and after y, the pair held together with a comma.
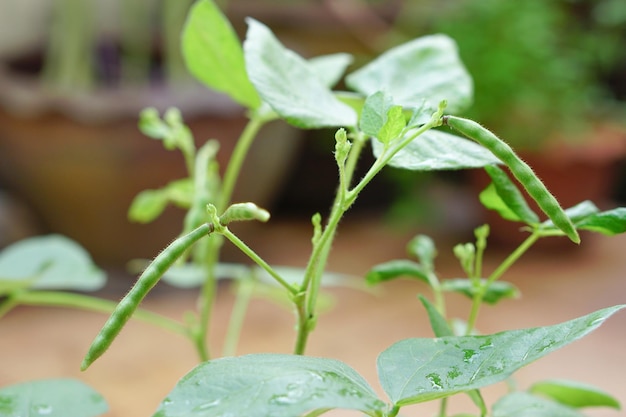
x: 245, y: 289
x: 7, y: 305
x: 257, y: 259
x: 386, y: 156
x: 207, y: 298
x: 496, y: 274
x: 394, y: 411
x: 233, y: 168
x: 305, y: 306
x: 209, y: 288
x: 443, y: 407
x: 89, y: 303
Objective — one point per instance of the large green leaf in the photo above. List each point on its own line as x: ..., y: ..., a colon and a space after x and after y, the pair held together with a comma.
x: 50, y: 262
x: 330, y: 68
x: 51, y: 398
x: 269, y: 385
x: 418, y: 370
x: 213, y: 54
x: 290, y: 85
x: 425, y: 68
x: 522, y: 404
x: 436, y: 150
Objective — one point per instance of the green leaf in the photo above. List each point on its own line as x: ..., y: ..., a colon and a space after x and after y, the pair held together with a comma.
x: 394, y: 125
x: 290, y: 85
x: 511, y: 196
x: 421, y: 114
x: 50, y: 262
x: 330, y: 68
x: 491, y: 200
x: 438, y: 322
x: 425, y: 68
x: 171, y: 129
x: 574, y: 394
x: 522, y: 404
x: 417, y: 370
x: 149, y: 204
x: 495, y: 292
x: 581, y: 210
x: 611, y: 222
x: 51, y: 398
x: 396, y: 269
x: 374, y: 113
x: 436, y: 150
x: 269, y: 385
x: 213, y: 54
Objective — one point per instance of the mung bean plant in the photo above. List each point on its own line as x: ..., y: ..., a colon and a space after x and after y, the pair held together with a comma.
x: 402, y: 106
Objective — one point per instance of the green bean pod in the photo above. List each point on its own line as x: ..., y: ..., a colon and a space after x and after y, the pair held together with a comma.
x: 146, y: 281
x: 520, y: 170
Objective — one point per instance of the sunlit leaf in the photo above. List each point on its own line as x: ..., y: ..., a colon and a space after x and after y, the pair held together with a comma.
x: 213, y: 54
x: 394, y: 125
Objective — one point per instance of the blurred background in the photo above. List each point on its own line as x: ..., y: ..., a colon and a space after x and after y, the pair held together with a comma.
x: 550, y: 78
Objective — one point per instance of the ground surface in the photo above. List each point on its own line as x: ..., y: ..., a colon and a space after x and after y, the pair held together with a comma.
x: 144, y: 363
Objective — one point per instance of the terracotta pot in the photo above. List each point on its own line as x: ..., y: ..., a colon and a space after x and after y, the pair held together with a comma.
x: 79, y: 162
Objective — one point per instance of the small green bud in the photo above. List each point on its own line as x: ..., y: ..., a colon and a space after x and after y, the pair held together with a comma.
x: 342, y: 146
x: 466, y: 253
x: 481, y: 233
x: 243, y: 212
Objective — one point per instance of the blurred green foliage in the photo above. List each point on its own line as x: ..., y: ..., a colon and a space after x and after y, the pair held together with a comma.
x: 539, y: 66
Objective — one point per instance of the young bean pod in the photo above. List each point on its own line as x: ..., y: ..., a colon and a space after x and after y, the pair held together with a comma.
x: 148, y: 279
x: 520, y: 170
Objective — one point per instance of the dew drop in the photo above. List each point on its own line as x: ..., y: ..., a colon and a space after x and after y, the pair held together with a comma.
x: 435, y: 381
x: 487, y: 344
x: 350, y: 392
x: 468, y: 355
x: 207, y: 406
x: 42, y: 409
